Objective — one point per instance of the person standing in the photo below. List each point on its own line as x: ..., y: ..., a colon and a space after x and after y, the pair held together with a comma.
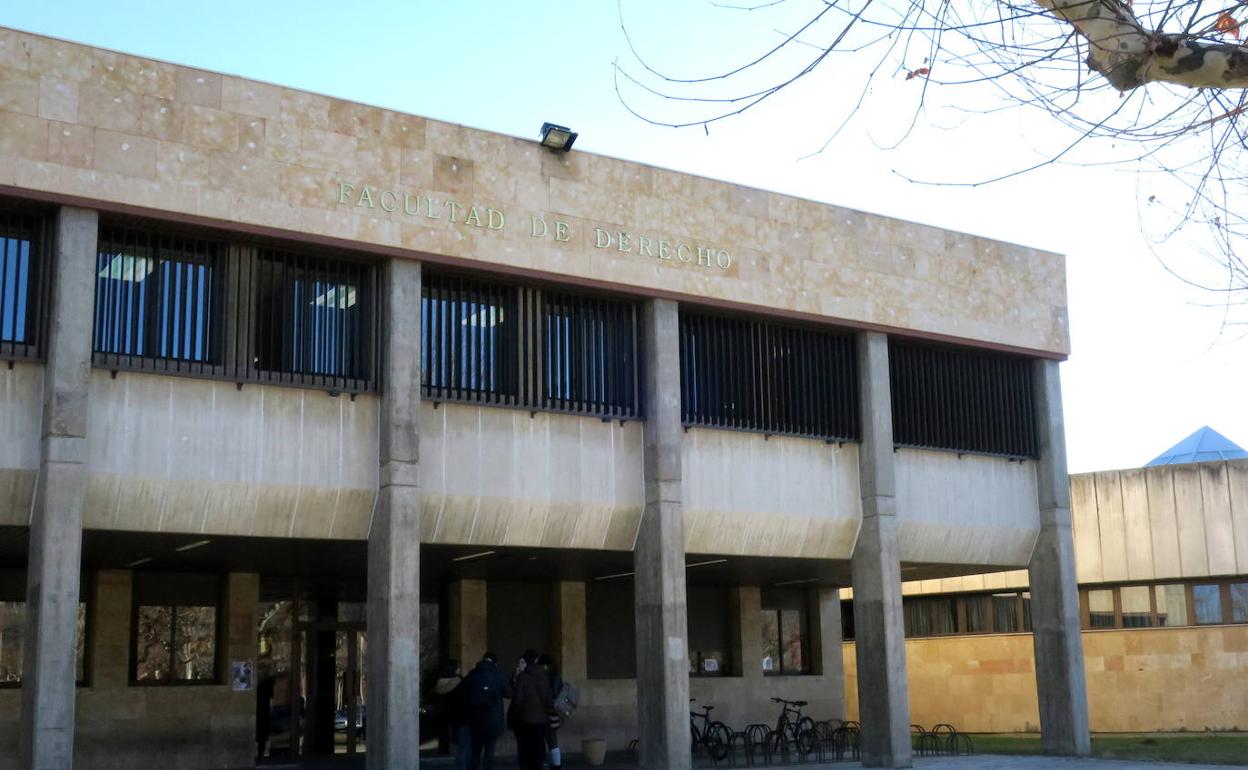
x: 530, y: 711
x: 553, y: 754
x: 454, y: 705
x: 483, y: 691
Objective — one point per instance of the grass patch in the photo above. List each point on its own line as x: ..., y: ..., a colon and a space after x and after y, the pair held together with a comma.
x: 1211, y: 748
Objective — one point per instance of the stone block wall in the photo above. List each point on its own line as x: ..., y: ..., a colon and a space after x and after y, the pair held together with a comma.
x: 1145, y: 680
x: 125, y: 727
x: 122, y: 132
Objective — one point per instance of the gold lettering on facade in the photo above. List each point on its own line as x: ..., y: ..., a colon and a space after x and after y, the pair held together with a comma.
x: 473, y: 214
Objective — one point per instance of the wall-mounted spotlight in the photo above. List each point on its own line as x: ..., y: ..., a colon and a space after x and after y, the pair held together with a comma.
x: 557, y: 138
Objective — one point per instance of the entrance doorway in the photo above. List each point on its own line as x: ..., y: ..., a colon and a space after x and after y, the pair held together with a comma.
x: 329, y: 669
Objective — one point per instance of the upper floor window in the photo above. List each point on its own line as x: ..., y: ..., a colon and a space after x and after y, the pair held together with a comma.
x: 767, y: 377
x: 237, y: 311
x: 960, y: 399
x: 493, y: 342
x: 156, y: 296
x: 314, y: 316
x: 1165, y: 605
x: 22, y: 282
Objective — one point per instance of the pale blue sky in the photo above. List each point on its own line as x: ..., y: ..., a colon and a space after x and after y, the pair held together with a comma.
x: 1146, y: 369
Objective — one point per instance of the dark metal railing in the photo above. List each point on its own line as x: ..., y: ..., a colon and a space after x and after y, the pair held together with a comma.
x: 212, y: 308
x: 962, y: 400
x: 773, y: 378
x: 25, y: 249
x: 492, y: 342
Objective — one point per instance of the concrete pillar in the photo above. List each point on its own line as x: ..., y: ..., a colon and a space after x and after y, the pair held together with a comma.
x: 883, y: 694
x: 1060, y: 682
x: 110, y: 608
x: 239, y: 605
x: 571, y: 639
x: 55, y: 560
x: 466, y: 615
x: 394, y: 537
x: 659, y: 555
x: 746, y: 603
x: 825, y: 644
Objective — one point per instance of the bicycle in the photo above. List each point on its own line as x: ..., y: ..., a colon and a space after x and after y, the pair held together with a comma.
x: 792, y: 726
x: 714, y: 737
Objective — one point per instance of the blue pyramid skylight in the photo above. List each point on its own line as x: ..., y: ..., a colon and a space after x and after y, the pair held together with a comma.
x: 1205, y: 445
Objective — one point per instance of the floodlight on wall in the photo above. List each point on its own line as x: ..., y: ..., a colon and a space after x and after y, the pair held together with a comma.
x: 557, y: 138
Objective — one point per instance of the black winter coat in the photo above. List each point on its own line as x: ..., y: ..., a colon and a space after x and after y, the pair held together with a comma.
x: 485, y: 719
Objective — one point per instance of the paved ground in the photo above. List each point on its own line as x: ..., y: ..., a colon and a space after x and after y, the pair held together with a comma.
x: 978, y: 762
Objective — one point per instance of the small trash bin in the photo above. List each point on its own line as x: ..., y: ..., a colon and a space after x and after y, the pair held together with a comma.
x: 594, y: 750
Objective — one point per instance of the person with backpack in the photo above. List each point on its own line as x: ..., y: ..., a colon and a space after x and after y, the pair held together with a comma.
x: 557, y: 686
x: 531, y: 710
x: 483, y: 691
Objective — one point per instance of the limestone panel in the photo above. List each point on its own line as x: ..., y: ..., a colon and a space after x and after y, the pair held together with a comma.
x: 965, y: 509
x: 225, y: 150
x: 750, y: 494
x: 493, y: 476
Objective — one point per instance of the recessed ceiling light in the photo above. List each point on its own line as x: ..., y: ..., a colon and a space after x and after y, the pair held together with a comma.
x: 796, y: 582
x: 196, y: 544
x: 616, y: 575
x: 472, y: 556
x: 138, y: 562
x: 706, y: 563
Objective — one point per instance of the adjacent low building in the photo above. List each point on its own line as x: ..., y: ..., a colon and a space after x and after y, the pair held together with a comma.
x: 303, y: 397
x: 1161, y: 556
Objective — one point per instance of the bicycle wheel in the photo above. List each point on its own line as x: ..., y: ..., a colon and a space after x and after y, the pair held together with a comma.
x: 805, y: 741
x: 718, y: 740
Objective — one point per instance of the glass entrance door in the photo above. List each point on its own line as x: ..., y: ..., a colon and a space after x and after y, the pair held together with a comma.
x: 329, y: 669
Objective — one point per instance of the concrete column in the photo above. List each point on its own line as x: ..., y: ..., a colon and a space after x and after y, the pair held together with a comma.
x: 239, y: 605
x: 394, y: 537
x: 110, y: 608
x: 659, y: 556
x: 825, y: 644
x: 466, y: 611
x: 571, y: 639
x: 55, y: 560
x: 1060, y: 682
x: 883, y: 694
x: 746, y: 604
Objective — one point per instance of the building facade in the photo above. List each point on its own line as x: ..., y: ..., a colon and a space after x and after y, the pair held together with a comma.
x: 304, y: 397
x: 1161, y: 556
